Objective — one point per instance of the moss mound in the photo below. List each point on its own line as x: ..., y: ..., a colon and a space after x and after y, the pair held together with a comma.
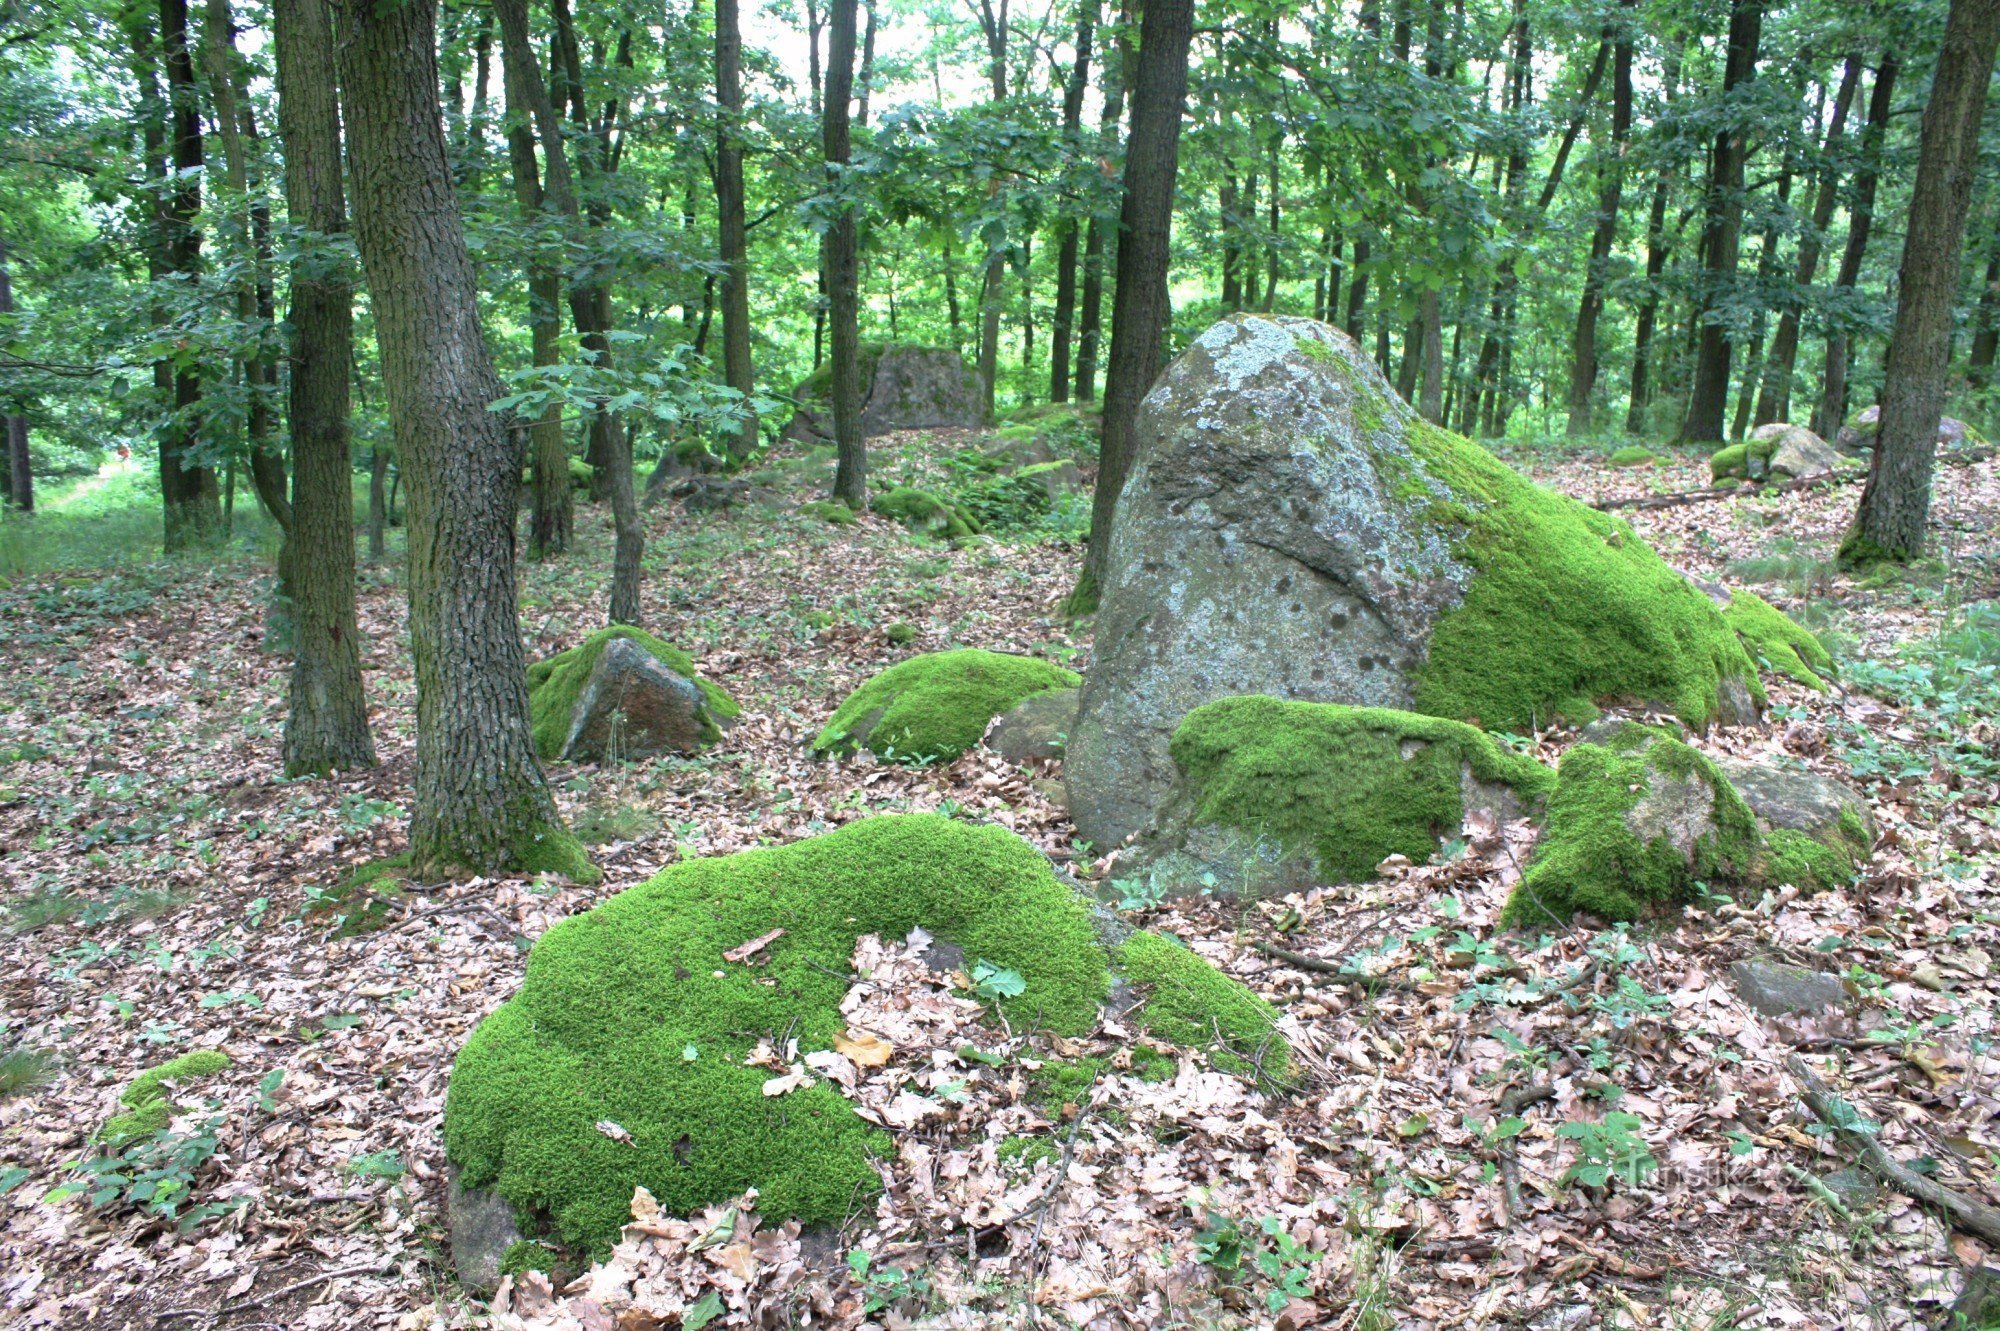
x: 830, y: 511
x: 927, y: 513
x: 1793, y: 857
x: 1336, y: 780
x: 1609, y: 844
x: 1738, y: 462
x: 1568, y: 605
x: 630, y: 1014
x: 1188, y: 1002
x: 937, y: 705
x: 1634, y: 455
x: 147, y: 1109
x: 1770, y: 637
x: 553, y: 685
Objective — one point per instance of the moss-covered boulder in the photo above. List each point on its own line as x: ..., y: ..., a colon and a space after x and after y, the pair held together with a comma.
x: 1290, y: 527
x: 937, y: 705
x: 147, y: 1108
x: 623, y: 693
x: 830, y: 511
x: 1775, y: 452
x: 1634, y: 455
x: 902, y: 388
x: 1817, y: 831
x: 1635, y: 825
x: 1276, y: 796
x: 620, y: 1062
x: 922, y: 511
x: 1776, y: 643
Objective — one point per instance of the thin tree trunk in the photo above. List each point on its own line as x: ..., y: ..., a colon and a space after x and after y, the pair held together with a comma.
x: 1583, y: 343
x: 1893, y: 521
x: 993, y: 24
x: 1271, y: 220
x: 1141, y: 308
x: 326, y: 728
x: 731, y: 241
x: 480, y: 798
x: 838, y: 266
x: 1722, y: 232
x: 1774, y: 398
x: 551, y: 516
x: 20, y: 491
x: 1832, y: 409
x: 1068, y: 230
x: 1986, y: 333
x: 1430, y: 330
x: 1100, y: 240
x: 188, y: 489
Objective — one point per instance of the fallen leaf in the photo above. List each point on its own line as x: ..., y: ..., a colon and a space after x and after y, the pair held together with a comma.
x: 867, y: 1050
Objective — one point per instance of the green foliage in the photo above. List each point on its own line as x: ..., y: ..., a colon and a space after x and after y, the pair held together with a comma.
x: 1950, y: 685
x: 1591, y: 859
x: 23, y: 1069
x: 1269, y: 1251
x: 884, y: 1286
x: 1773, y: 639
x: 925, y: 512
x: 1609, y: 1149
x: 153, y: 1171
x: 554, y: 683
x: 1568, y: 606
x: 1352, y: 785
x: 147, y: 1109
x: 937, y: 705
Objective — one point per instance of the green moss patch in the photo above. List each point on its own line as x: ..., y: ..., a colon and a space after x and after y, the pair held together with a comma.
x: 1795, y: 858
x: 1351, y: 785
x: 937, y: 705
x: 1185, y: 1001
x: 1634, y: 455
x: 830, y: 511
x: 1592, y: 859
x: 630, y: 1014
x: 1568, y: 606
x: 554, y: 683
x: 364, y: 899
x: 925, y: 512
x: 1770, y: 637
x: 147, y: 1109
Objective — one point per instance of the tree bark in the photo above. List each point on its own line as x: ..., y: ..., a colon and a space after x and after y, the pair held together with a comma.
x: 1774, y: 397
x: 1722, y: 230
x: 1658, y: 245
x: 1430, y: 326
x: 1894, y: 518
x: 481, y: 800
x: 731, y: 242
x: 1832, y: 409
x: 1069, y: 232
x: 326, y: 728
x: 1100, y: 240
x: 188, y: 492
x: 1141, y: 310
x: 838, y: 259
x: 20, y: 490
x: 1986, y: 334
x: 1611, y: 190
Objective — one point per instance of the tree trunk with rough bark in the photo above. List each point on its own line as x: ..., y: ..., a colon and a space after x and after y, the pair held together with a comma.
x: 1069, y: 232
x: 1141, y: 308
x: 732, y: 244
x: 1832, y: 409
x: 1722, y: 231
x: 1893, y: 521
x: 838, y: 260
x: 481, y: 801
x: 1100, y: 240
x: 20, y: 491
x: 188, y: 492
x: 1611, y: 191
x: 326, y: 728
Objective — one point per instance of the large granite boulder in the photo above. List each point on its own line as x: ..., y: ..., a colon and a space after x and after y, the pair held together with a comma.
x: 1291, y: 528
x: 902, y: 388
x: 1858, y: 435
x: 623, y: 694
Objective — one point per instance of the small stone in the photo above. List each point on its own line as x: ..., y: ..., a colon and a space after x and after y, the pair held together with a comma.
x: 482, y: 1229
x: 1037, y: 730
x: 1777, y: 989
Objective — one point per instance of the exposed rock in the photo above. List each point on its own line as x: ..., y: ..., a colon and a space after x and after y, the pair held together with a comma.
x: 902, y: 388
x: 482, y: 1229
x: 1858, y: 435
x: 1291, y: 528
x: 623, y: 693
x: 1802, y: 801
x: 1796, y: 451
x: 1778, y: 989
x: 1036, y: 730
x: 1275, y: 797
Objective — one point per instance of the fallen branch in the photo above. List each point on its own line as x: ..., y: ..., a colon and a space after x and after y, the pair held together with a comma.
x: 227, y: 1309
x: 1726, y: 491
x: 1321, y: 966
x: 1512, y: 1103
x: 1974, y: 1217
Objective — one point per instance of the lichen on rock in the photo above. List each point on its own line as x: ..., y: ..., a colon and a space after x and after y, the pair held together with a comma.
x: 1275, y: 796
x: 937, y: 705
x: 631, y: 1015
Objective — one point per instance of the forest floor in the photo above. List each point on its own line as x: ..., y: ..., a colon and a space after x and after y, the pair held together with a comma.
x: 164, y: 890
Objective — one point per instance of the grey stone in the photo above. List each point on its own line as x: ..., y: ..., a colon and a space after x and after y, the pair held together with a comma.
x: 1802, y: 801
x: 1778, y: 989
x: 483, y: 1227
x: 1858, y: 435
x: 1276, y: 535
x: 912, y: 388
x: 635, y: 706
x: 1037, y: 730
x: 1796, y: 451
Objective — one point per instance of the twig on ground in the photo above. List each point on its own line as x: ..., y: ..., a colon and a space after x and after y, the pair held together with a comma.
x: 365, y: 1269
x: 1513, y: 1102
x: 1972, y: 1216
x: 1321, y: 966
x: 1727, y: 491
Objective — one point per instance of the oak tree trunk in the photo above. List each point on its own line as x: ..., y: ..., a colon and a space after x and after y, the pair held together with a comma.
x: 731, y: 243
x: 1068, y: 230
x: 1722, y: 231
x: 838, y: 260
x: 1832, y: 408
x: 1611, y: 190
x: 188, y: 492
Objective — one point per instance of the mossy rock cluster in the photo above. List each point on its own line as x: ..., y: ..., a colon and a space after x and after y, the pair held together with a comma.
x: 1741, y: 462
x: 1774, y: 641
x: 555, y: 683
x: 147, y: 1108
x: 1273, y: 796
x: 1635, y: 824
x: 938, y: 705
x: 924, y: 512
x: 1018, y: 501
x: 631, y: 1015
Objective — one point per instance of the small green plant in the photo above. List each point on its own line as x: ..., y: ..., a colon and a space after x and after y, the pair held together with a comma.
x: 992, y: 982
x: 1608, y: 1149
x: 377, y: 1164
x: 23, y: 1069
x: 1231, y: 1251
x: 884, y: 1286
x: 155, y: 1175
